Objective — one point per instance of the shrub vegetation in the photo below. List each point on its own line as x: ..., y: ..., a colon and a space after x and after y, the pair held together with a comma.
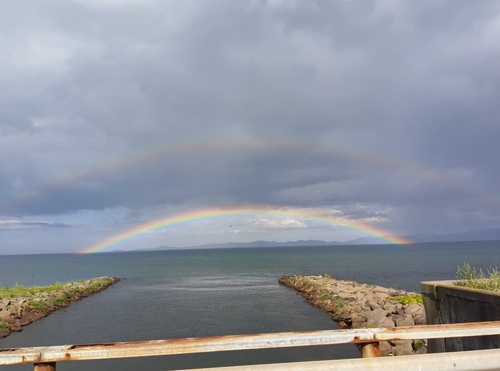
x: 408, y: 299
x: 469, y: 276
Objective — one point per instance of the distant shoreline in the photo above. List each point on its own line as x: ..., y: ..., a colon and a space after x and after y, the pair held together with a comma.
x: 363, y: 241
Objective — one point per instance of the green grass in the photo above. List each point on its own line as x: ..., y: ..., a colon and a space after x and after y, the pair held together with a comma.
x: 339, y: 305
x: 39, y: 305
x: 469, y: 276
x: 324, y: 295
x: 4, y: 325
x: 19, y: 291
x: 408, y: 299
x: 419, y: 344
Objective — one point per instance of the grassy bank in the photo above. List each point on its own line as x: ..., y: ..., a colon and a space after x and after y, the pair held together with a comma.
x: 20, y: 305
x: 19, y: 291
x: 469, y: 276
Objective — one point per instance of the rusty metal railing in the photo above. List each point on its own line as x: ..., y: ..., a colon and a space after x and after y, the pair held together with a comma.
x: 45, y: 358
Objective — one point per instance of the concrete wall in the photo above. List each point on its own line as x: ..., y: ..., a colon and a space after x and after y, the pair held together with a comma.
x: 446, y: 303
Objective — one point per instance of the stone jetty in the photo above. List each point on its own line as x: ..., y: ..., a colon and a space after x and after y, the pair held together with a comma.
x: 37, y: 302
x: 355, y: 305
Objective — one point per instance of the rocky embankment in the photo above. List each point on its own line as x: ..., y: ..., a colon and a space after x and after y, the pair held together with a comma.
x: 37, y: 302
x: 355, y: 305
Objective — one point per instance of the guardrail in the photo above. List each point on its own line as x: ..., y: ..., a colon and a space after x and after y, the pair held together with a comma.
x: 45, y: 358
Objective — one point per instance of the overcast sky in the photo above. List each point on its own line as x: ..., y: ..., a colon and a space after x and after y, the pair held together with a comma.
x: 118, y: 113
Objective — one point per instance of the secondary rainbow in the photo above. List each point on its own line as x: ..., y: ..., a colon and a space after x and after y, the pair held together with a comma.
x: 211, y: 213
x: 99, y: 168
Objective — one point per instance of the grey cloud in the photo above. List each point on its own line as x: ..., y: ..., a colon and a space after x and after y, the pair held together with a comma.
x: 19, y: 224
x: 417, y: 81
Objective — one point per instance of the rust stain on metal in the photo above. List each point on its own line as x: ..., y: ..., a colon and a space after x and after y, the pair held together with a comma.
x: 444, y: 326
x: 240, y: 342
x: 220, y: 338
x: 383, y: 338
x: 201, y: 339
x: 370, y: 350
x: 91, y: 345
x: 9, y: 350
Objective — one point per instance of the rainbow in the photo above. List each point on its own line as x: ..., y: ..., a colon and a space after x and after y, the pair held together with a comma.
x: 99, y: 168
x: 210, y: 213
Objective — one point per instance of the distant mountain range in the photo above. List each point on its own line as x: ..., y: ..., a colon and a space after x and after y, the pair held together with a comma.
x: 261, y: 243
x: 475, y: 235
x: 491, y: 234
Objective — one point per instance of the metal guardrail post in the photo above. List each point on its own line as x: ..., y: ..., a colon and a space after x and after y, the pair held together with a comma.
x: 370, y: 350
x: 48, y: 366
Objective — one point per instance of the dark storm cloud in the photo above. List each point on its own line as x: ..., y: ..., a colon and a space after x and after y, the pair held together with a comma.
x: 418, y: 81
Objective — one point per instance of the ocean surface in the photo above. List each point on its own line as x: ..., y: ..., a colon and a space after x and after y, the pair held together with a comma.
x: 192, y: 293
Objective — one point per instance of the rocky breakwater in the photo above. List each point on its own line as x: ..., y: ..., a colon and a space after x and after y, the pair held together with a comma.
x: 20, y: 306
x: 355, y: 305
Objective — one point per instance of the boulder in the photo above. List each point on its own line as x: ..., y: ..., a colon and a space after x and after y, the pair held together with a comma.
x: 356, y: 308
x: 376, y: 317
x: 317, y: 302
x: 390, y: 307
x: 355, y: 317
x: 345, y: 314
x: 422, y: 350
x: 4, y: 332
x: 361, y: 297
x: 335, y: 316
x: 342, y: 324
x: 396, y: 317
x: 407, y: 320
x: 329, y: 308
x: 373, y: 304
x: 28, y: 317
x: 402, y: 349
x: 385, y: 348
x: 403, y: 341
x: 386, y: 323
x: 420, y: 319
x: 380, y: 296
x: 365, y: 313
x: 393, y: 293
x: 347, y: 296
x: 15, y: 328
x: 4, y: 315
x: 9, y: 319
x: 400, y: 312
x: 414, y: 309
x: 358, y: 324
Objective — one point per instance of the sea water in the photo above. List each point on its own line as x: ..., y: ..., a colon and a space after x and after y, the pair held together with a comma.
x: 192, y: 293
